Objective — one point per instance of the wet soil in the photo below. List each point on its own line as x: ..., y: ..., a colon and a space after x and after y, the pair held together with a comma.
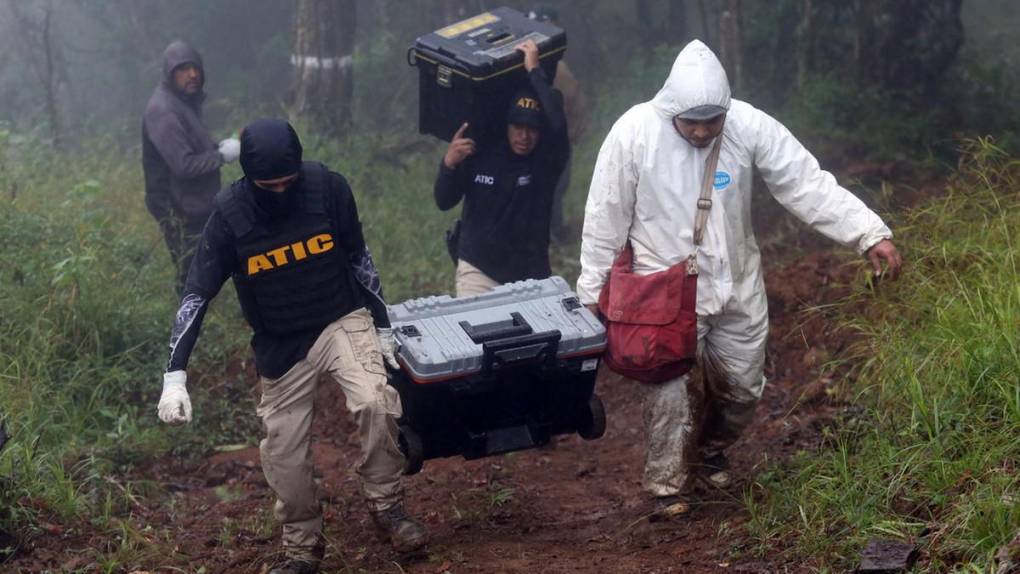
x: 575, y: 507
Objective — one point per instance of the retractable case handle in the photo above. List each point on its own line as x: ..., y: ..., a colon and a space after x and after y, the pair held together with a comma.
x: 516, y: 326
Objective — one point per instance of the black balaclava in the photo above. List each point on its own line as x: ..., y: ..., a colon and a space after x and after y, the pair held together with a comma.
x: 270, y: 149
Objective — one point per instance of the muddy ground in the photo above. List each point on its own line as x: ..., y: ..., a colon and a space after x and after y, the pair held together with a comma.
x: 576, y: 507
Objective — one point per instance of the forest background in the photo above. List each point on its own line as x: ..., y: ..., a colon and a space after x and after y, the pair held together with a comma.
x: 891, y: 95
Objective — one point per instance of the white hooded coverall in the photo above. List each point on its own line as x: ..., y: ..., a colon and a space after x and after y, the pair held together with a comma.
x: 645, y: 189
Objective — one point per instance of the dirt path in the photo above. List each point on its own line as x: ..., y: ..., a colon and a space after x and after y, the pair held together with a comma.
x: 573, y: 508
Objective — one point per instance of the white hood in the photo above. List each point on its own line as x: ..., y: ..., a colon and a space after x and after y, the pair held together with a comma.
x: 647, y: 180
x: 697, y: 79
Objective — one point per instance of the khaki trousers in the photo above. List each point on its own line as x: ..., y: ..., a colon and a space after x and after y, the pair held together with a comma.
x: 692, y: 417
x: 348, y: 350
x: 472, y: 281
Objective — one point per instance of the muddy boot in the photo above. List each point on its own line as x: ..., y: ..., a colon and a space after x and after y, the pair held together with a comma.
x: 714, y: 471
x: 306, y: 563
x: 404, y: 533
x: 669, y: 507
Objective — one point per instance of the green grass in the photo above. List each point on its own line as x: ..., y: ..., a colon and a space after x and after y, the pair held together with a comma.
x: 933, y: 456
x: 86, y: 300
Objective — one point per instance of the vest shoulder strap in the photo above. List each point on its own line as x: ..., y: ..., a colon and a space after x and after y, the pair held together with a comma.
x: 239, y: 216
x: 315, y: 183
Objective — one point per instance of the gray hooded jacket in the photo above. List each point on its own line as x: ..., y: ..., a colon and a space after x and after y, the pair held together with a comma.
x: 179, y: 158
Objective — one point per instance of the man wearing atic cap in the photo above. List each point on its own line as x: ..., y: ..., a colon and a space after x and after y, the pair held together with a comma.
x: 508, y: 188
x: 180, y: 160
x: 289, y: 236
x: 645, y: 191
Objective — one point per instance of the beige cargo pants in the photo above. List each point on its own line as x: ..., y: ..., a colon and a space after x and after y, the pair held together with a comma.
x: 472, y: 281
x: 348, y: 350
x: 693, y: 417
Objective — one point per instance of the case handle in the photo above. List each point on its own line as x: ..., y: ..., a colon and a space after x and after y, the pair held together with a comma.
x: 531, y: 349
x: 485, y: 332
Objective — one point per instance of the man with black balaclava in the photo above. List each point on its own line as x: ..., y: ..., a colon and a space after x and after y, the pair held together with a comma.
x: 180, y: 160
x: 289, y: 236
x: 507, y: 189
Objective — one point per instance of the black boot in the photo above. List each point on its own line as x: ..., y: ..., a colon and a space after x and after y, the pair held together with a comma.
x: 404, y: 533
x: 715, y: 470
x: 301, y: 564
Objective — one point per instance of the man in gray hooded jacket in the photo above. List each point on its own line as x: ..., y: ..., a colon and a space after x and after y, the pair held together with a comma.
x: 180, y: 159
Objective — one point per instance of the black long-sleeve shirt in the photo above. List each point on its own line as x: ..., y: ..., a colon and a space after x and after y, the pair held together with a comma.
x: 508, y: 198
x: 216, y: 260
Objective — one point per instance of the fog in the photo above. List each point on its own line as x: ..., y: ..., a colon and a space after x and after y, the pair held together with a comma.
x: 73, y: 69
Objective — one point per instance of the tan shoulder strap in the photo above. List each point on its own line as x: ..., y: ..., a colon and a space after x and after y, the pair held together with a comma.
x: 705, y: 199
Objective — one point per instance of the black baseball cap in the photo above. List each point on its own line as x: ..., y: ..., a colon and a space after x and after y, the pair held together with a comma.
x: 526, y: 109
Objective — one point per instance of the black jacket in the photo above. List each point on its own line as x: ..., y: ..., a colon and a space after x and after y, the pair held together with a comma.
x: 218, y: 258
x: 508, y: 198
x: 179, y: 157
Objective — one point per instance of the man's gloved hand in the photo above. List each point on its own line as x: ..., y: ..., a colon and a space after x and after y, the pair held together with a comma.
x: 175, y: 404
x: 230, y: 149
x: 388, y: 347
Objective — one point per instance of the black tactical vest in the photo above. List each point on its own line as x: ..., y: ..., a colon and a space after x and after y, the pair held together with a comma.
x: 296, y: 276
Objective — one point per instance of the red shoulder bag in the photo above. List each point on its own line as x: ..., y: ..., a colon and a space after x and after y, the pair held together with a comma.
x: 651, y: 320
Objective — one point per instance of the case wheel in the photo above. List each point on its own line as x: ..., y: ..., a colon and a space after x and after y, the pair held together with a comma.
x: 593, y: 419
x: 414, y: 453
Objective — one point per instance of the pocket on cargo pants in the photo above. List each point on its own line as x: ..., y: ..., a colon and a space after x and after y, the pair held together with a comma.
x: 371, y: 384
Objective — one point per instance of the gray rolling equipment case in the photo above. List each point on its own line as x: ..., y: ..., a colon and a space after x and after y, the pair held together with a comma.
x: 496, y: 372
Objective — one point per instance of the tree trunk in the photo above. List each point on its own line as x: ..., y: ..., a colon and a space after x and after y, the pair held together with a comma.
x: 706, y: 31
x: 676, y: 30
x: 323, y: 60
x: 44, y: 58
x: 805, y: 42
x: 863, y: 40
x: 906, y: 45
x: 731, y: 40
x: 646, y: 29
x: 52, y: 110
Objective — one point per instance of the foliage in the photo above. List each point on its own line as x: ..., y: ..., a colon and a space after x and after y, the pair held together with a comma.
x: 87, y: 299
x: 932, y: 456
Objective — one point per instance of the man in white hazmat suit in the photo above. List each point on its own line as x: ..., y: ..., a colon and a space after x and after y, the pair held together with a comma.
x: 645, y: 190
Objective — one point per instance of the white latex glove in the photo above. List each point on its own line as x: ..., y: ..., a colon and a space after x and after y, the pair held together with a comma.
x: 388, y: 347
x: 230, y: 149
x: 175, y: 404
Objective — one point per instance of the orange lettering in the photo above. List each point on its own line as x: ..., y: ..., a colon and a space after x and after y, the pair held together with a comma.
x: 258, y: 263
x: 298, y: 249
x: 279, y: 255
x: 320, y: 243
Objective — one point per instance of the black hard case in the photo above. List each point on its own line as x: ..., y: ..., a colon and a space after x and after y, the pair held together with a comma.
x: 468, y: 71
x: 493, y: 373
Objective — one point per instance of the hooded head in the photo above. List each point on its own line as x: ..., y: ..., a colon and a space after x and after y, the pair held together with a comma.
x: 270, y: 149
x: 525, y: 121
x: 183, y: 71
x: 271, y: 159
x: 697, y: 87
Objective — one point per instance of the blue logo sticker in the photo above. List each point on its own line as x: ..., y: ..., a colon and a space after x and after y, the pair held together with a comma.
x: 722, y: 180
